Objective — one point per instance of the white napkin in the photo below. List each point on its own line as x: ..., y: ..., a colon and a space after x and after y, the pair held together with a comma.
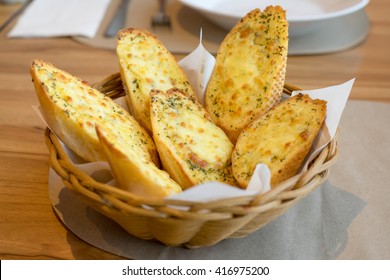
x: 55, y: 18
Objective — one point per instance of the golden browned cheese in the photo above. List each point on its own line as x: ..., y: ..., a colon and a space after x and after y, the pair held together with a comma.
x: 281, y: 139
x: 132, y: 170
x: 146, y: 64
x: 249, y: 73
x: 192, y: 148
x: 72, y: 109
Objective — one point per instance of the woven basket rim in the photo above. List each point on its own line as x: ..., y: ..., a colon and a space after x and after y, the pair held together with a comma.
x: 187, y: 223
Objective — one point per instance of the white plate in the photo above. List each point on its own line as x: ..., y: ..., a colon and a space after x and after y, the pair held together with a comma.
x: 303, y: 15
x: 334, y: 35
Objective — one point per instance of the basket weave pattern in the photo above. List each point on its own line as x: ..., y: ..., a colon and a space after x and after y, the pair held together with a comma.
x: 183, y: 223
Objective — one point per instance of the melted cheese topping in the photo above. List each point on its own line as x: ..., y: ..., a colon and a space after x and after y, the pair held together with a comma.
x: 280, y: 139
x: 146, y: 65
x: 134, y: 172
x: 202, y: 148
x: 193, y: 131
x: 86, y: 107
x: 250, y: 69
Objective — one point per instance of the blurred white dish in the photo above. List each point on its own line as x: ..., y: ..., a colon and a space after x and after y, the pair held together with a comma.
x: 303, y: 15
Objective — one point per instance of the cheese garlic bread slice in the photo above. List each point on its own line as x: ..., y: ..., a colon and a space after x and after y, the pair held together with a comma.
x: 192, y: 148
x: 71, y: 108
x: 146, y: 64
x: 281, y: 139
x: 249, y: 73
x: 132, y: 168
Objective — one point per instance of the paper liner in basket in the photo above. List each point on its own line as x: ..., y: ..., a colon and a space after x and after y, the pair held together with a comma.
x: 198, y: 66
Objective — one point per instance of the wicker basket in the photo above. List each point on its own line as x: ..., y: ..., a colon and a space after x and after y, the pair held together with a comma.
x: 201, y: 224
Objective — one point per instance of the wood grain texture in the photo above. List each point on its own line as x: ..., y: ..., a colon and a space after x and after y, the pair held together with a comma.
x: 29, y: 228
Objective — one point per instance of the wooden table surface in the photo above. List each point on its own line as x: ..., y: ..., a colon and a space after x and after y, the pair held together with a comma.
x: 29, y: 228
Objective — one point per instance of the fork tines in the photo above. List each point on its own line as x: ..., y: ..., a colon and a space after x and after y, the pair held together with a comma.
x: 161, y: 18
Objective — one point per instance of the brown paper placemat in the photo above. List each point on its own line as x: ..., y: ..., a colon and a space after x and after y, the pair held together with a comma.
x: 183, y: 37
x: 345, y: 218
x: 315, y: 228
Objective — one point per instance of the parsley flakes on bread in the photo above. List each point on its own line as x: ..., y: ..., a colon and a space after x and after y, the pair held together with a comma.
x: 249, y: 73
x: 281, y: 139
x: 146, y: 64
x: 76, y: 112
x: 72, y: 109
x: 192, y: 148
x: 133, y: 169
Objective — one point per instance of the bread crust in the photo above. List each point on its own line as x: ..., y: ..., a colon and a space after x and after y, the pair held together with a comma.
x: 146, y: 64
x: 249, y: 73
x: 281, y: 139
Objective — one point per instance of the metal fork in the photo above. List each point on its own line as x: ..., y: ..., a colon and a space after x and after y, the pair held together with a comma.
x: 14, y: 15
x: 161, y: 18
x: 118, y: 21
